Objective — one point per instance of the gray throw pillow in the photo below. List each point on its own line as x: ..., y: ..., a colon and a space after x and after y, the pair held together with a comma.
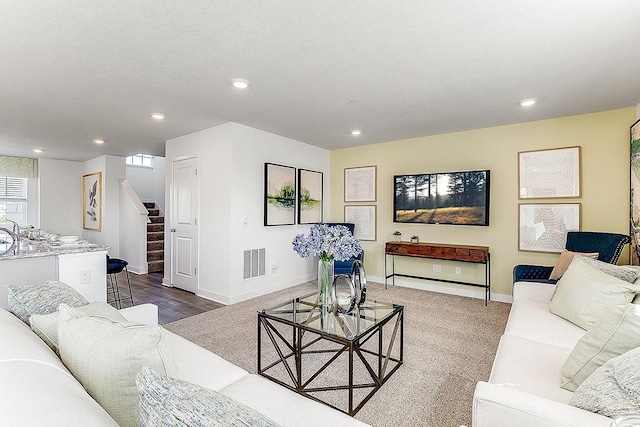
x: 106, y: 355
x: 613, y: 334
x: 583, y: 294
x: 613, y: 389
x: 42, y: 299
x: 46, y: 325
x: 171, y: 402
x: 628, y: 273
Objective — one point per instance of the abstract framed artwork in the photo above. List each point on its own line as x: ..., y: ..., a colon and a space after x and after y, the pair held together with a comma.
x: 543, y: 227
x: 364, y: 218
x: 552, y: 173
x: 634, y: 211
x: 309, y: 197
x: 360, y: 184
x: 280, y: 194
x: 92, y: 201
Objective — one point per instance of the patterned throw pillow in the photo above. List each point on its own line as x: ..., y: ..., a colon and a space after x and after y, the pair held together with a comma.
x: 171, y: 402
x: 42, y: 299
x: 628, y: 273
x: 613, y: 389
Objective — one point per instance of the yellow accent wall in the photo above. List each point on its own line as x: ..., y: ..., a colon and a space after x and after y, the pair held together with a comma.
x: 604, y: 138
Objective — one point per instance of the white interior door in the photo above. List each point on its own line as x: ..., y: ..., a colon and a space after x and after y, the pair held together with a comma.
x: 184, y: 225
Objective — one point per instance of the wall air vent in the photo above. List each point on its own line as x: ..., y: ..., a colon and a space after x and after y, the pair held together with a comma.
x: 254, y: 260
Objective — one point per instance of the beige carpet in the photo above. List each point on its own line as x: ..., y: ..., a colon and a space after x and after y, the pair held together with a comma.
x: 449, y: 345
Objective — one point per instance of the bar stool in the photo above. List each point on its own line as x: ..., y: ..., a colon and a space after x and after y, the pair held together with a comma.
x: 115, y: 266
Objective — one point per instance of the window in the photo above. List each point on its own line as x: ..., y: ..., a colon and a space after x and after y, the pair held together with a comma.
x: 143, y: 160
x: 13, y: 199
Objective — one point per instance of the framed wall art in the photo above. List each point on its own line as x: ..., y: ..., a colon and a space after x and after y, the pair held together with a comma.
x: 360, y: 184
x: 543, y: 227
x: 309, y: 197
x: 549, y: 173
x: 634, y: 213
x: 364, y: 217
x: 280, y: 195
x: 92, y: 201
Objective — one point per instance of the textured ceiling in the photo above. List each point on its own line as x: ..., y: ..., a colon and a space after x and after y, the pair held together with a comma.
x: 73, y: 71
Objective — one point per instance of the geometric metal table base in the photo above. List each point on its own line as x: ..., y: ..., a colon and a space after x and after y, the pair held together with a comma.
x: 303, y: 350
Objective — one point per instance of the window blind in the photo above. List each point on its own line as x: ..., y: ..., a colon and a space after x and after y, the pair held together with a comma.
x: 13, y: 188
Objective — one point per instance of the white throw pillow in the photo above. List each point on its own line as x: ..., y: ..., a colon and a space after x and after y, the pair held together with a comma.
x: 613, y: 389
x: 46, y: 325
x: 106, y: 355
x: 583, y: 294
x: 615, y: 333
x: 42, y: 299
x: 565, y: 259
x: 171, y: 402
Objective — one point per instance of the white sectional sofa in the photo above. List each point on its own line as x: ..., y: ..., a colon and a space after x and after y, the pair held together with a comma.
x: 36, y: 389
x: 524, y: 387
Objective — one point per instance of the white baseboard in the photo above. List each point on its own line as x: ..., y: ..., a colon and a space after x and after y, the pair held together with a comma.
x: 433, y: 286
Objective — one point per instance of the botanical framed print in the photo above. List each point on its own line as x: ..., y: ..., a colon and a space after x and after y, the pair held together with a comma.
x: 92, y: 201
x: 309, y: 197
x: 364, y: 218
x: 549, y: 173
x: 634, y: 213
x: 360, y: 184
x: 280, y: 194
x: 543, y: 227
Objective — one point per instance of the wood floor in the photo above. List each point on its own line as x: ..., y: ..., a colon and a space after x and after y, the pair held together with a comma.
x: 173, y: 303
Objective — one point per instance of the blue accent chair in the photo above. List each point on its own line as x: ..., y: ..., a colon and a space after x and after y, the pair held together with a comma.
x: 344, y: 267
x: 608, y: 245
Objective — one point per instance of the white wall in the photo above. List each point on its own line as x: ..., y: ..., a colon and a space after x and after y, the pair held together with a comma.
x: 60, y: 196
x: 113, y: 169
x: 231, y: 176
x: 149, y: 182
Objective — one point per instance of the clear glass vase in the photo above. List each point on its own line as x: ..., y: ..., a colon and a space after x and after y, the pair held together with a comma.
x: 325, y: 280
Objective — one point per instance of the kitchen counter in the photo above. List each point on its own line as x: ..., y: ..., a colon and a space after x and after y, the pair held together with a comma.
x: 26, y: 248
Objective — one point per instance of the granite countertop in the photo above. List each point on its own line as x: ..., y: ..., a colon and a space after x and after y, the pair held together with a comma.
x: 26, y: 248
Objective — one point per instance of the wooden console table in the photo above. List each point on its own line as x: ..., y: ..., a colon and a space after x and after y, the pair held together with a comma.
x: 460, y: 253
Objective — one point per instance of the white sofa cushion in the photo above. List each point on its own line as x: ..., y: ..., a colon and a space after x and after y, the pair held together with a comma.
x: 530, y: 366
x: 287, y: 408
x: 35, y: 393
x: 532, y: 320
x: 202, y: 367
x: 584, y: 294
x: 614, y: 388
x: 106, y: 355
x: 171, y: 402
x: 615, y: 333
x: 535, y: 291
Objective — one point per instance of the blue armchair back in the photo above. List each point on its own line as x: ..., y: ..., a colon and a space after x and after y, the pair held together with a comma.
x: 344, y: 267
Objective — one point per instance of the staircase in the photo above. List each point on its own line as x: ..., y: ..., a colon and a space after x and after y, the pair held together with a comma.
x: 155, y: 239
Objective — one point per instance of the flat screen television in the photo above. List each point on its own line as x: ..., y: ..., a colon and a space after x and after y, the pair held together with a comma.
x: 460, y: 198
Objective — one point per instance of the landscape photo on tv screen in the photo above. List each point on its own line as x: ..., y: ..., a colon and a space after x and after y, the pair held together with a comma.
x: 442, y: 198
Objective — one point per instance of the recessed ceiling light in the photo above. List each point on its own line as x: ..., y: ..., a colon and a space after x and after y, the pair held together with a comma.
x: 98, y: 141
x: 528, y: 102
x: 356, y: 132
x: 240, y: 83
x: 157, y: 116
x: 37, y: 150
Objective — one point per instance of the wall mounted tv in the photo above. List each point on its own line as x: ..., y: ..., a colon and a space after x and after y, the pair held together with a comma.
x: 460, y: 198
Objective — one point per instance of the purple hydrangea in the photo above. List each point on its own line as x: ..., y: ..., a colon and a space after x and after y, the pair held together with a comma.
x: 327, y: 242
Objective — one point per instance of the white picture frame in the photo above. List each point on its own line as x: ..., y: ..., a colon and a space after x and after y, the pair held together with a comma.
x: 364, y: 218
x: 360, y: 184
x: 553, y: 173
x: 543, y: 227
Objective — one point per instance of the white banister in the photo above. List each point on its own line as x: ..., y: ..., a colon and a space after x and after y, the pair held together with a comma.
x: 133, y: 229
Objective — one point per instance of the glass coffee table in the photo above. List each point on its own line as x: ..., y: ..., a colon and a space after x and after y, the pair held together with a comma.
x: 337, y: 359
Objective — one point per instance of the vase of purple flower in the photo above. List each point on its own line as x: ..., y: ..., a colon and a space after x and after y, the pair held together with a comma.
x: 329, y: 243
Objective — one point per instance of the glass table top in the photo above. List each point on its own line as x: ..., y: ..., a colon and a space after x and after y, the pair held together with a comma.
x: 306, y: 313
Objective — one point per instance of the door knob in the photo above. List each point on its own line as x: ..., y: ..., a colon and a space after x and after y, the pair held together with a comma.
x: 173, y: 230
